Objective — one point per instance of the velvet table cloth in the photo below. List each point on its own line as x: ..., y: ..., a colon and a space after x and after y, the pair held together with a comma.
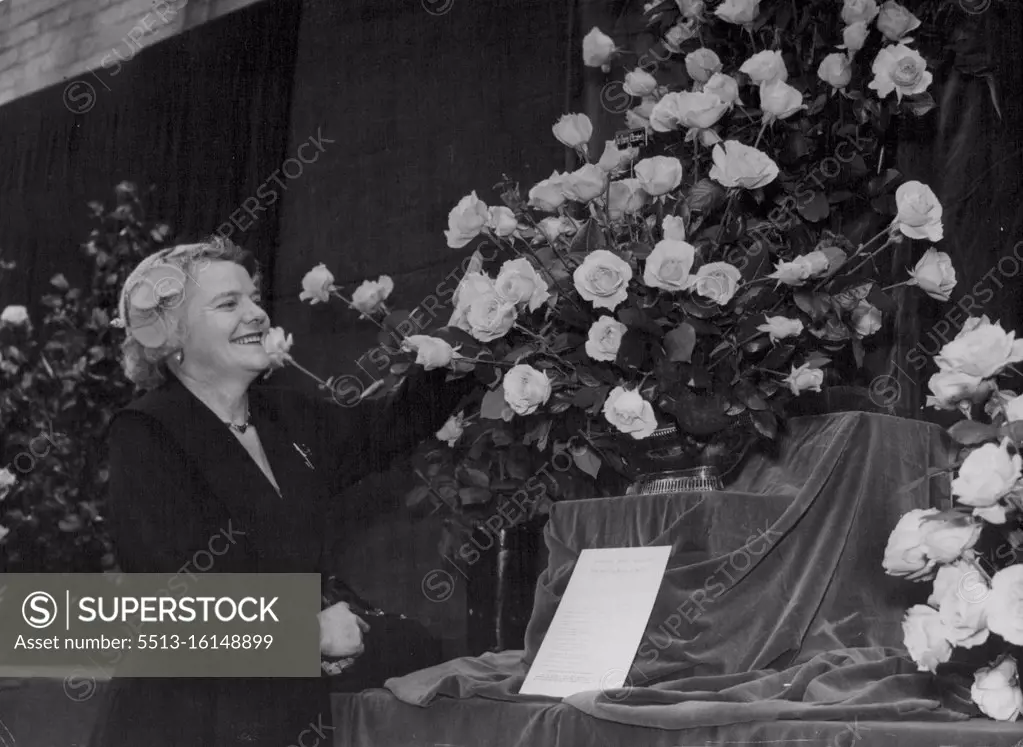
x: 775, y: 621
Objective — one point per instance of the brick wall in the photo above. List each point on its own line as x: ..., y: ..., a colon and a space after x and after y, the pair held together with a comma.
x: 44, y: 42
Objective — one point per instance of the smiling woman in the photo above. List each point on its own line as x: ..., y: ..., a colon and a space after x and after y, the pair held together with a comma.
x: 210, y: 447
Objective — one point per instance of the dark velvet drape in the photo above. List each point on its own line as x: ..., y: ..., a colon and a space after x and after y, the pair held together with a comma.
x: 202, y: 116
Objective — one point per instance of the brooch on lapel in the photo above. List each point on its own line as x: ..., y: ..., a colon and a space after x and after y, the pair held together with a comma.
x: 304, y: 452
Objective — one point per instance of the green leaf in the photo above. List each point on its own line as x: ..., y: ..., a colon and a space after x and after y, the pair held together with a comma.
x: 584, y: 397
x: 778, y: 356
x: 765, y: 422
x: 970, y: 432
x: 880, y: 183
x: 588, y: 238
x: 919, y: 104
x: 587, y: 461
x: 679, y: 343
x: 472, y: 477
x: 705, y: 196
x: 816, y: 360
x: 816, y: 208
x: 474, y: 496
x: 417, y: 495
x: 492, y: 407
x: 638, y: 319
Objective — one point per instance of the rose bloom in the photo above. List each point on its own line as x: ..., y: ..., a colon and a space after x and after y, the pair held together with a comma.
x: 687, y: 109
x: 765, y: 67
x: 738, y: 11
x: 604, y: 339
x: 901, y: 69
x: 431, y: 352
x: 627, y: 411
x: 669, y: 264
x: 895, y: 21
x: 370, y: 296
x: 919, y: 212
x: 855, y: 36
x: 547, y: 195
x: 15, y: 316
x: 639, y: 83
x: 1014, y: 409
x: 555, y: 226
x: 679, y: 34
x: 986, y: 475
x: 7, y: 481
x: 525, y: 388
x: 487, y: 317
x: 779, y: 100
x: 980, y: 349
x: 835, y: 70
x: 1005, y: 604
x: 790, y: 273
x: 502, y: 221
x: 859, y: 11
x: 804, y: 378
x: 466, y: 220
x: 906, y: 553
x: 946, y: 541
x: 934, y: 274
x: 519, y: 283
x: 780, y: 327
x: 659, y: 175
x: 585, y: 183
x: 962, y: 578
x: 702, y: 63
x: 964, y: 618
x: 996, y: 690
x: 615, y: 158
x: 573, y: 130
x: 725, y: 87
x: 635, y: 120
x: 926, y: 637
x: 598, y: 48
x: 949, y: 388
x: 277, y: 343
x: 866, y: 319
x: 625, y: 196
x: 452, y: 430
x: 815, y: 262
x: 673, y: 228
x: 690, y: 8
x: 739, y: 165
x: 470, y: 287
x: 603, y: 279
x: 717, y: 281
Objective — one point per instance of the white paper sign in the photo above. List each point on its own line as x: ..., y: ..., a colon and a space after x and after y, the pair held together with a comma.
x: 599, y: 623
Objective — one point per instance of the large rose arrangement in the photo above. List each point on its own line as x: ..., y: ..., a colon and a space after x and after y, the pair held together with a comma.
x: 971, y: 551
x: 702, y: 279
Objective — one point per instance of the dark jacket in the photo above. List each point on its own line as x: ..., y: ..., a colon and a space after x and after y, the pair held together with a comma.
x: 184, y: 493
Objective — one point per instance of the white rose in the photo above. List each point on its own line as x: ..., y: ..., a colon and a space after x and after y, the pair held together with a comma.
x: 627, y: 411
x: 946, y: 541
x: 779, y: 100
x: 835, y: 70
x: 488, y: 317
x: 15, y: 316
x: 687, y: 109
x: 679, y: 34
x: 659, y: 175
x: 640, y: 83
x: 804, y: 378
x: 725, y: 87
x: 669, y: 264
x: 370, y: 296
x: 452, y: 430
x: 925, y: 637
x: 502, y: 221
x: 895, y: 21
x: 739, y: 165
x: 466, y: 220
x: 816, y: 263
x: 555, y: 226
x: 855, y: 36
x: 1014, y: 409
x: 1005, y: 604
x: 780, y: 327
x: 615, y: 158
x: 738, y: 11
x: 996, y: 514
x: 690, y: 8
x: 960, y: 577
x: 598, y: 48
x: 702, y: 63
x: 765, y: 67
x: 547, y: 195
x: 906, y: 553
x: 585, y: 184
x: 603, y: 279
x: 859, y: 11
x: 604, y: 339
x: 980, y: 349
x: 673, y: 228
x: 996, y: 691
x: 573, y: 130
x: 919, y: 212
x: 635, y: 120
x: 949, y: 388
x: 519, y: 283
x: 525, y: 388
x: 470, y: 287
x: 625, y: 196
x: 717, y: 281
x: 963, y: 613
x: 901, y: 69
x: 431, y: 352
x: 986, y: 475
x: 7, y: 481
x: 934, y: 274
x: 866, y: 318
x: 277, y: 343
x: 790, y: 273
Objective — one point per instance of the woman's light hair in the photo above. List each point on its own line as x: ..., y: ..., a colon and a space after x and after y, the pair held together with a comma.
x: 153, y: 295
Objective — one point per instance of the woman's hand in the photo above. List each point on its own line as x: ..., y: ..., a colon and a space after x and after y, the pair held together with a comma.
x: 341, y: 631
